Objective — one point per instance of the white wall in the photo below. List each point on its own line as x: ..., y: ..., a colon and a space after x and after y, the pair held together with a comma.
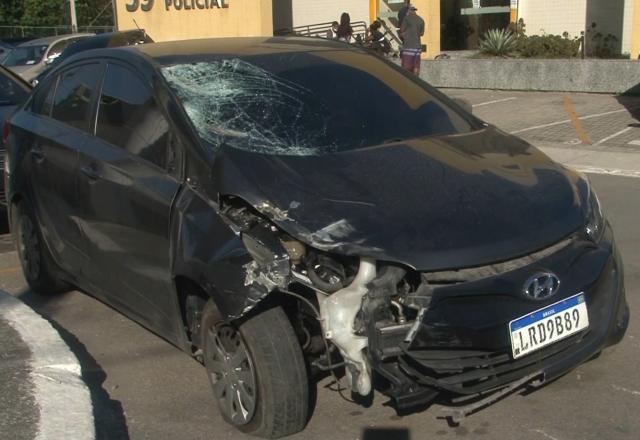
x: 627, y: 29
x: 553, y: 16
x: 307, y: 12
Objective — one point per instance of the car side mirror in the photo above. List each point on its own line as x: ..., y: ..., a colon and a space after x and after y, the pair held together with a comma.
x: 52, y: 58
x: 466, y: 105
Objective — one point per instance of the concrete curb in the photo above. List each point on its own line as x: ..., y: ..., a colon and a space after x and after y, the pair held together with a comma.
x: 64, y: 400
x: 567, y: 75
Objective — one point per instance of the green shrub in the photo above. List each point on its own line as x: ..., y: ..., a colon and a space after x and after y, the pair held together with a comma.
x: 500, y: 42
x: 600, y: 45
x: 548, y: 46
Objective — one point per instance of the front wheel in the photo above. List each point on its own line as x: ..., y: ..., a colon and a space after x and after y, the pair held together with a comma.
x: 257, y: 372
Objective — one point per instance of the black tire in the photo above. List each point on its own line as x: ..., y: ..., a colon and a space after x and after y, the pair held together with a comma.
x: 281, y: 392
x: 37, y: 264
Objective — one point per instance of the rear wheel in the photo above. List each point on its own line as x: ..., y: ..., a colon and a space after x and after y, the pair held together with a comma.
x: 257, y: 372
x: 37, y: 264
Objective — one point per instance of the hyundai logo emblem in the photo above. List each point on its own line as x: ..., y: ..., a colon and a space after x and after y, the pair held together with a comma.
x: 541, y: 286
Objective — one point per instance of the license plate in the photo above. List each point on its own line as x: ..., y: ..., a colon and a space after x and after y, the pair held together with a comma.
x: 548, y: 325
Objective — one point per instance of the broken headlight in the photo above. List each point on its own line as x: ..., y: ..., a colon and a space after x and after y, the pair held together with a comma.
x: 595, y: 219
x: 326, y: 272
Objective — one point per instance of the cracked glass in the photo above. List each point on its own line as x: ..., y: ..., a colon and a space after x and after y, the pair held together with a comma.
x: 303, y: 104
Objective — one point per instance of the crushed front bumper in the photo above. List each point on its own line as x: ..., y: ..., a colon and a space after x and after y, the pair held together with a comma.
x: 462, y: 345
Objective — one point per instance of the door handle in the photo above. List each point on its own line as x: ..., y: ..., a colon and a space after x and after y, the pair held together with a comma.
x: 91, y: 171
x: 37, y: 153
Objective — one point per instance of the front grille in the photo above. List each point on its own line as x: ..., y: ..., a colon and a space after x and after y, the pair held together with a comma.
x: 476, y: 273
x: 472, y: 372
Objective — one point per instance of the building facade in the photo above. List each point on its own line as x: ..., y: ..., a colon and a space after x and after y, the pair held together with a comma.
x: 182, y: 19
x: 611, y: 17
x: 450, y: 24
x: 166, y: 20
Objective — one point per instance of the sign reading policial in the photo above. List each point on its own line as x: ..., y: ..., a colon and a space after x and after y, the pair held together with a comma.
x: 186, y: 5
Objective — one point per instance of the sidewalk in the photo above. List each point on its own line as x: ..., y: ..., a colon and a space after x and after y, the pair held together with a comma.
x: 42, y: 393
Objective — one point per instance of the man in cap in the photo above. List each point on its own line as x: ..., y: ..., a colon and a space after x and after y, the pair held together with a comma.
x: 411, y: 31
x: 403, y: 12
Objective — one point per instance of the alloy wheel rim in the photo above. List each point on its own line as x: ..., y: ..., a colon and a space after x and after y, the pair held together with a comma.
x: 29, y: 248
x: 232, y: 374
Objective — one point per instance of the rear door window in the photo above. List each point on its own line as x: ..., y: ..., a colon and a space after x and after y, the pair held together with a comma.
x: 129, y: 118
x: 72, y: 102
x: 42, y: 101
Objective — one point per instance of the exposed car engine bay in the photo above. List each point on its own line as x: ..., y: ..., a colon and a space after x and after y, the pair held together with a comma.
x: 352, y: 296
x: 423, y: 332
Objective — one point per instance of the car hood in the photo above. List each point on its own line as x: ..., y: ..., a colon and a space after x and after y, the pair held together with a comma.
x: 432, y: 203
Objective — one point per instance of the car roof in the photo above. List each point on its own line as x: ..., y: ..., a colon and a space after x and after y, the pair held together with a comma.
x: 53, y: 39
x: 172, y: 52
x: 108, y: 39
x: 148, y: 57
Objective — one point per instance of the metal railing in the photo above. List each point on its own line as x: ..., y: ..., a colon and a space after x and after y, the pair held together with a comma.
x: 321, y: 30
x: 360, y: 35
x: 391, y: 33
x: 48, y: 31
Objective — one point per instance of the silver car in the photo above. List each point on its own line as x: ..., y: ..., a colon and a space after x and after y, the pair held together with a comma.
x: 30, y: 58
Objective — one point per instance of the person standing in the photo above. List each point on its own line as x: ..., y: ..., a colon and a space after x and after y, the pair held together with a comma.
x: 376, y: 38
x: 403, y: 12
x: 345, y: 31
x: 411, y: 31
x: 332, y: 34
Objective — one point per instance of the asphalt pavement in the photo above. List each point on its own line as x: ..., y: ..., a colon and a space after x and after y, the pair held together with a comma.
x: 144, y: 388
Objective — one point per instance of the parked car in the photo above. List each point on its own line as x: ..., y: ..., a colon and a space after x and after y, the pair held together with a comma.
x: 30, y: 58
x: 13, y: 92
x: 5, y: 48
x: 268, y: 204
x: 100, y: 41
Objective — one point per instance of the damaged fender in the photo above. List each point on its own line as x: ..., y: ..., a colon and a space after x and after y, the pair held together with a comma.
x: 214, y: 255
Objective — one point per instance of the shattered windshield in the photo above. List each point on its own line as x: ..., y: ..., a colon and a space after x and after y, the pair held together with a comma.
x: 306, y: 104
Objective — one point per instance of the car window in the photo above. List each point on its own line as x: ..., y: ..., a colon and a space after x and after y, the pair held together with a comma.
x: 128, y: 116
x: 25, y: 55
x: 11, y: 93
x: 72, y: 99
x: 308, y: 103
x: 42, y: 101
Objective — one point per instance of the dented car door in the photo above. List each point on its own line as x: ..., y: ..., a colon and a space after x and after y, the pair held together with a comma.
x: 126, y: 192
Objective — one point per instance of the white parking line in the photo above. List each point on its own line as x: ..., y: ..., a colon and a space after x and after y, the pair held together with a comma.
x: 608, y: 171
x: 544, y: 434
x: 64, y: 401
x: 615, y: 135
x: 582, y: 118
x: 494, y: 102
x: 626, y: 390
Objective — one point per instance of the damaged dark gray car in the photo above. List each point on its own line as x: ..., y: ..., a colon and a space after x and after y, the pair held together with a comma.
x: 278, y: 207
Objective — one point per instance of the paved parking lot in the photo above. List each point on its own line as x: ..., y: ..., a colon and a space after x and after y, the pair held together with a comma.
x: 577, y: 120
x: 143, y: 388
